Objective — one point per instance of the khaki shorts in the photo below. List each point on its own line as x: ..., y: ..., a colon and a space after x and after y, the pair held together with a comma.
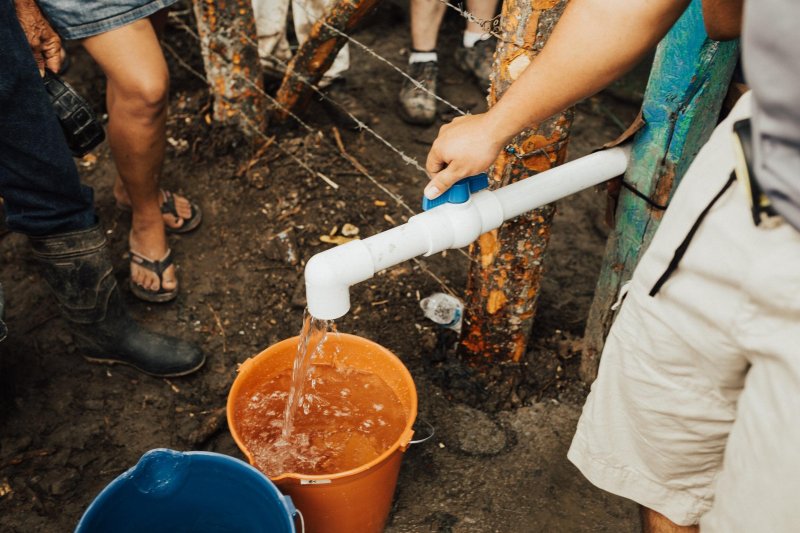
x: 696, y: 409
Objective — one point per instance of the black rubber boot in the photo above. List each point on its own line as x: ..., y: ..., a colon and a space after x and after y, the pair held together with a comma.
x: 78, y: 270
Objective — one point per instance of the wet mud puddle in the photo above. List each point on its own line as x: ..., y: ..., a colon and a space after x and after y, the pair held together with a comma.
x: 319, y: 418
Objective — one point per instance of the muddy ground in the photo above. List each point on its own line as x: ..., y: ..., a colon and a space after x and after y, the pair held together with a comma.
x: 67, y: 428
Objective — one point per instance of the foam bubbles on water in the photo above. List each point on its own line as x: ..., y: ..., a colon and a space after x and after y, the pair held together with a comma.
x: 338, y: 433
x: 319, y: 418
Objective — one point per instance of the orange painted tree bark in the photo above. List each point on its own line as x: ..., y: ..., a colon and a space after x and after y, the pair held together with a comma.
x: 317, y: 53
x: 505, y: 275
x: 226, y: 28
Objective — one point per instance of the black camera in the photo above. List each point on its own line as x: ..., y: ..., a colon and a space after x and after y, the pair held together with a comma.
x: 81, y: 126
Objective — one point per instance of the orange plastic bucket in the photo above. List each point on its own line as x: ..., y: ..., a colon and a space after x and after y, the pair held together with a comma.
x: 357, y: 500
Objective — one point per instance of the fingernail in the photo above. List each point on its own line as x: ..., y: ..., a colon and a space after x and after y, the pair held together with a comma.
x: 431, y: 192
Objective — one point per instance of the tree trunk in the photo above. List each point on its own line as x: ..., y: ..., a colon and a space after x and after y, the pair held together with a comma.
x: 506, y: 271
x: 317, y: 53
x: 225, y: 27
x: 687, y: 85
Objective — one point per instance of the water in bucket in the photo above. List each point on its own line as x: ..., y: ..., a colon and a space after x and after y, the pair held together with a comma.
x: 319, y: 418
x: 354, y: 500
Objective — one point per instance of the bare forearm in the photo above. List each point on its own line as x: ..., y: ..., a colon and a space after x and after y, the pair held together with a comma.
x: 594, y: 43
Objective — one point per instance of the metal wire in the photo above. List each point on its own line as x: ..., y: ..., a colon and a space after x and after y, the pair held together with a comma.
x: 253, y: 126
x: 275, y: 104
x: 376, y: 55
x: 257, y: 131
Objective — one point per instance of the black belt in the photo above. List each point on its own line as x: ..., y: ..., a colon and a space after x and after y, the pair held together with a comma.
x: 760, y: 206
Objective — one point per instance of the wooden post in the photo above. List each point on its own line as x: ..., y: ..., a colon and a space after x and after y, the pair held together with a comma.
x: 317, y: 53
x: 688, y: 82
x: 505, y: 274
x: 225, y: 27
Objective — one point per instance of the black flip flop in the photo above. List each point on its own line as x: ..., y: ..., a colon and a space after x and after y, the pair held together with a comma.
x: 168, y: 208
x: 158, y: 267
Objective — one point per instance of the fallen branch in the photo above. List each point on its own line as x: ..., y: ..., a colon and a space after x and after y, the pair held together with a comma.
x: 317, y: 53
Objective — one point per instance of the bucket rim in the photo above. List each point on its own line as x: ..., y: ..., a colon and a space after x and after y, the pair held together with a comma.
x: 114, y: 486
x: 401, y: 443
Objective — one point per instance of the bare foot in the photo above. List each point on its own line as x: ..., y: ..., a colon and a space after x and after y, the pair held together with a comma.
x: 150, y: 242
x: 182, y: 205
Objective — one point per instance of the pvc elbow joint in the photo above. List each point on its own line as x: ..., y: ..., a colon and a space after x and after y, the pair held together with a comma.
x: 330, y: 274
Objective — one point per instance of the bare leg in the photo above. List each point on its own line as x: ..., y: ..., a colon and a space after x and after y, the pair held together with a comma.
x: 182, y: 205
x: 653, y: 522
x: 483, y: 10
x: 426, y: 18
x: 138, y: 84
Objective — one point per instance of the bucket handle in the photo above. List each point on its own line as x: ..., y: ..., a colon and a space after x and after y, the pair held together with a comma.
x: 299, y: 515
x: 431, y: 432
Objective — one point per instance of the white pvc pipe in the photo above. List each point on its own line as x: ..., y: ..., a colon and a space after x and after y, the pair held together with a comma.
x: 330, y: 274
x: 561, y: 181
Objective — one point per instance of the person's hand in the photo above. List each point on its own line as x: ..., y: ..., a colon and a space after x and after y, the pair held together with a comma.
x: 45, y: 42
x: 465, y: 147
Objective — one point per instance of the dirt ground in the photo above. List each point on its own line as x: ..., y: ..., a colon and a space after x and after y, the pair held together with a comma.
x: 67, y: 428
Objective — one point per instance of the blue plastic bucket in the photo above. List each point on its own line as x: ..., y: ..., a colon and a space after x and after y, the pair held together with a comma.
x: 199, y: 492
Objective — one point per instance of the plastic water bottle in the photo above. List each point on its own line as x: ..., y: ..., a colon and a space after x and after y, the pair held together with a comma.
x: 443, y: 309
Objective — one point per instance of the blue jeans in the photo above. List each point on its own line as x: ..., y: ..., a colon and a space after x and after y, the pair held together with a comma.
x: 78, y: 19
x: 39, y: 183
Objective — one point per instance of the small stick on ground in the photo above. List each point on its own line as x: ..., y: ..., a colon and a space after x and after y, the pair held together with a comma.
x: 353, y: 161
x: 327, y: 180
x: 174, y: 387
x: 27, y: 456
x: 221, y: 329
x: 244, y: 169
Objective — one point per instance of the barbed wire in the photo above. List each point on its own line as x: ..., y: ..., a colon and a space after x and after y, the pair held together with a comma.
x: 250, y: 123
x: 359, y: 167
x: 361, y: 125
x: 490, y: 26
x: 417, y: 84
x: 275, y: 104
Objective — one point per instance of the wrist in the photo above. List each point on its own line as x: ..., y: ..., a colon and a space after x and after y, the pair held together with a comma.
x: 503, y: 125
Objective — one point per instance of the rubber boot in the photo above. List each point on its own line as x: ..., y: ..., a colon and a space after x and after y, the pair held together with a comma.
x: 77, y: 269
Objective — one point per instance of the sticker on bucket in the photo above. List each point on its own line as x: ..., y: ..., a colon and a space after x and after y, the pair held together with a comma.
x: 315, y: 481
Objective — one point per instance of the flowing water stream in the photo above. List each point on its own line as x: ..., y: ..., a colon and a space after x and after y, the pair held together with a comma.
x: 322, y: 416
x: 312, y: 341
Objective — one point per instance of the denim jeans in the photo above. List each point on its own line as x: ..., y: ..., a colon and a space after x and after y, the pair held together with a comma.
x: 78, y: 19
x: 39, y: 183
